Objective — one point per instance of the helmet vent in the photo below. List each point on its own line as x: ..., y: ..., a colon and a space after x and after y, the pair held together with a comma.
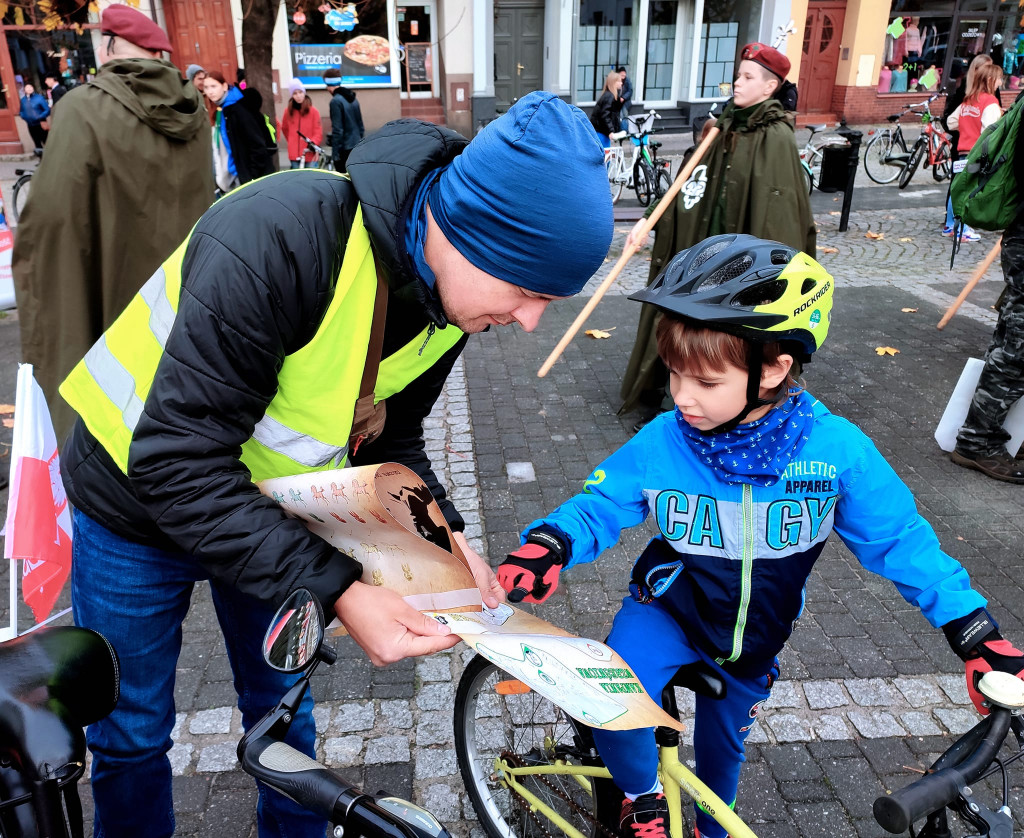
x: 781, y: 257
x: 708, y: 252
x: 808, y: 286
x: 761, y: 294
x: 735, y: 268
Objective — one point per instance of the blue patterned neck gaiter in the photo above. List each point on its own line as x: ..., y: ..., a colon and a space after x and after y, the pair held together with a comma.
x: 757, y: 452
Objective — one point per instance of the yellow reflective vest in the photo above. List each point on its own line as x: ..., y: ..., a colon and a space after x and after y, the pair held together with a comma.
x: 307, y: 424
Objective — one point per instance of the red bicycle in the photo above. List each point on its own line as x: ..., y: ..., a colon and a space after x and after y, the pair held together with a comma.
x: 933, y: 142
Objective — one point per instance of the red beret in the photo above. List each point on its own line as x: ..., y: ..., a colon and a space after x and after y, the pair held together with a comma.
x: 768, y: 57
x: 134, y: 26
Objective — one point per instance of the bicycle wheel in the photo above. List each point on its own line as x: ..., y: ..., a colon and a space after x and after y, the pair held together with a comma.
x: 880, y: 161
x: 917, y: 154
x: 808, y: 177
x: 662, y: 182
x: 19, y: 195
x: 643, y: 182
x: 813, y: 162
x: 943, y: 168
x: 524, y: 730
x: 613, y: 166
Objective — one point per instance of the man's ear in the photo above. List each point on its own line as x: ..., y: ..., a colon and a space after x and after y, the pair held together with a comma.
x: 773, y: 375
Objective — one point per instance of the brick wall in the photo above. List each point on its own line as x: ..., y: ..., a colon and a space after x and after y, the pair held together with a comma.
x: 866, y: 105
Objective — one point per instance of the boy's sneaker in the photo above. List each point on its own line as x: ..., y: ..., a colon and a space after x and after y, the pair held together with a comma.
x: 645, y: 817
x: 947, y: 232
x: 968, y: 235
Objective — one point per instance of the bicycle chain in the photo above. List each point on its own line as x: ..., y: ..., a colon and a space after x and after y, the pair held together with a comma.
x: 515, y: 761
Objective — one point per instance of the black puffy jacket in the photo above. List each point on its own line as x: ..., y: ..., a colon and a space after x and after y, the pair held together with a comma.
x: 258, y: 276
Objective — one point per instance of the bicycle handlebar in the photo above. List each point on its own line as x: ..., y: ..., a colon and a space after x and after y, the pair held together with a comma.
x: 317, y: 788
x: 896, y: 812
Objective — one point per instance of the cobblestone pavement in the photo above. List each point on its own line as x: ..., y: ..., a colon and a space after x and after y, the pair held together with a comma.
x: 869, y: 692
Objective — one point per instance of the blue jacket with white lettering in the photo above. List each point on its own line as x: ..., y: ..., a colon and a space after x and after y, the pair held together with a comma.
x: 731, y: 560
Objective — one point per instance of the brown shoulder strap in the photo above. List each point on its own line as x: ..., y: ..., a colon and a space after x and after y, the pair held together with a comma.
x: 376, y: 344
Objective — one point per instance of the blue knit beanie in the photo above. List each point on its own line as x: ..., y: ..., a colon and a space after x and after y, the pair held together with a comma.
x: 528, y: 200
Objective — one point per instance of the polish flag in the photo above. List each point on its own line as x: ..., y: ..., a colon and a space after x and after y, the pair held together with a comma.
x: 38, y: 527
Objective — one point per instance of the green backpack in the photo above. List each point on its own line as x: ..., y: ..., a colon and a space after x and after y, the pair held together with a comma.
x: 985, y: 194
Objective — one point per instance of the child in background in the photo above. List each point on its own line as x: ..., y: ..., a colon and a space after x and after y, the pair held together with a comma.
x: 979, y: 109
x: 747, y: 479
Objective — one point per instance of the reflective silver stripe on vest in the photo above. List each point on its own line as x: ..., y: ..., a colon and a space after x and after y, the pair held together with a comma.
x: 300, y: 447
x: 115, y: 381
x: 161, y: 314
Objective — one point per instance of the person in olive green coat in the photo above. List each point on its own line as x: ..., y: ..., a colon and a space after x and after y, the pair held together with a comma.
x: 126, y: 173
x: 749, y: 181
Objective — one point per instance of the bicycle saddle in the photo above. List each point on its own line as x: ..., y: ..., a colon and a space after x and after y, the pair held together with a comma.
x: 816, y: 128
x: 700, y: 678
x: 54, y: 682
x: 894, y: 117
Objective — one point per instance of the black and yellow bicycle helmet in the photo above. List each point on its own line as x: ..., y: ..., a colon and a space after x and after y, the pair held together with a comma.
x: 757, y: 289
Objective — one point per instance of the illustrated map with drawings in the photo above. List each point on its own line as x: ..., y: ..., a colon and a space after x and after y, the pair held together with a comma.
x: 385, y: 517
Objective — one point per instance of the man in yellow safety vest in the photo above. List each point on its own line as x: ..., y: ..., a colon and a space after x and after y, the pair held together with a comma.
x: 243, y: 357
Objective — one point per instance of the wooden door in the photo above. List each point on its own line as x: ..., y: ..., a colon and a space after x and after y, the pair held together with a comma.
x: 518, y: 49
x: 202, y: 33
x: 10, y: 142
x: 823, y: 35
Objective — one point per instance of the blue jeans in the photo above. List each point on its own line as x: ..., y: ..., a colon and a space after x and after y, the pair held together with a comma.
x: 720, y: 727
x: 137, y: 597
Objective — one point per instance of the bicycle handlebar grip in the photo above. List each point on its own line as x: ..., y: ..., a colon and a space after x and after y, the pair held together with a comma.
x: 517, y: 595
x: 296, y: 775
x: 897, y: 811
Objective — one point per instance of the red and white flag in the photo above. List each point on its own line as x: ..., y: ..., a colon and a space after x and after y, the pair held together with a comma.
x: 38, y: 528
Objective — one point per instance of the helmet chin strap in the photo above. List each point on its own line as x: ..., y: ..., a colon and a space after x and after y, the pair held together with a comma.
x: 754, y: 400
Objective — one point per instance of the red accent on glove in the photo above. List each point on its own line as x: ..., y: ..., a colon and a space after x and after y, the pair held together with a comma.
x: 530, y: 574
x: 991, y: 655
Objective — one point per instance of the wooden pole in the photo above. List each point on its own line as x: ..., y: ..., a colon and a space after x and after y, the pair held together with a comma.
x: 975, y: 278
x: 628, y: 250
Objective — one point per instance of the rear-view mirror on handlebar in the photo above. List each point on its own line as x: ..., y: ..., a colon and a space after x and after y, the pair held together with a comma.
x: 295, y: 633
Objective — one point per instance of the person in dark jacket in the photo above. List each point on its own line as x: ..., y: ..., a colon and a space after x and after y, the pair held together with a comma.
x: 246, y: 344
x: 127, y: 175
x: 242, y: 150
x: 34, y: 111
x: 346, y: 119
x: 625, y: 98
x: 57, y: 90
x: 605, y: 116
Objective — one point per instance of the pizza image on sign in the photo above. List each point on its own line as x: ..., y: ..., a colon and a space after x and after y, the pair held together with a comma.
x: 371, y: 50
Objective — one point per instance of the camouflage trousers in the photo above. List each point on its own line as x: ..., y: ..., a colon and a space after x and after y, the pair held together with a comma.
x: 1002, y: 380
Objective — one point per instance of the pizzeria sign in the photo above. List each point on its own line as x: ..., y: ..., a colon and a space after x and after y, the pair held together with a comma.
x: 364, y: 59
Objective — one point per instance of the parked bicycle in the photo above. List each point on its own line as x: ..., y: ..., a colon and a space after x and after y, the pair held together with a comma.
x: 295, y: 643
x: 20, y: 192
x: 323, y: 160
x: 53, y: 682
x: 887, y: 155
x: 531, y: 770
x: 644, y: 173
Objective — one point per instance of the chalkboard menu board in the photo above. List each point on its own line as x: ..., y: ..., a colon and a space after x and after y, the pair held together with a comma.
x: 417, y: 63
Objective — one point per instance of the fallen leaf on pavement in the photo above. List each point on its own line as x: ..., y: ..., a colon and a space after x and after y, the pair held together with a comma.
x: 828, y: 249
x: 834, y: 212
x: 908, y: 310
x: 871, y: 235
x: 597, y: 334
x: 6, y: 408
x: 906, y: 239
x: 886, y: 350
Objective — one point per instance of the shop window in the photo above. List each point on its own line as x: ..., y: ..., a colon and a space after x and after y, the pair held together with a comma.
x: 604, y: 42
x: 1008, y: 47
x: 36, y: 53
x: 661, y: 47
x: 356, y: 39
x: 916, y: 52
x: 726, y: 27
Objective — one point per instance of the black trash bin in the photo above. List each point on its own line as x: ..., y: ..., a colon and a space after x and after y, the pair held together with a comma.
x: 835, y: 168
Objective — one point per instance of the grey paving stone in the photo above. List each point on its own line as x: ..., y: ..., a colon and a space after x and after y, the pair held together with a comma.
x: 353, y: 717
x: 919, y: 723
x: 874, y: 724
x: 216, y: 720
x: 436, y: 762
x: 520, y: 472
x: 870, y: 692
x: 343, y: 750
x: 384, y: 749
x: 955, y: 686
x: 220, y: 757
x: 956, y: 720
x: 788, y: 727
x: 785, y: 694
x: 396, y: 714
x: 824, y: 695
x: 920, y: 692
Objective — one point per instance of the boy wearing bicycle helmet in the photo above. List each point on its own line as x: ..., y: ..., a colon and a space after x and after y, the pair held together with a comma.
x: 746, y: 481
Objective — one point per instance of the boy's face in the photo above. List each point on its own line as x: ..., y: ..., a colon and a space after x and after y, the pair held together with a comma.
x: 753, y: 84
x: 713, y: 398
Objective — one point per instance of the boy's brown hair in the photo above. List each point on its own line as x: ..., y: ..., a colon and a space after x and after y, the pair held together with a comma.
x: 687, y: 346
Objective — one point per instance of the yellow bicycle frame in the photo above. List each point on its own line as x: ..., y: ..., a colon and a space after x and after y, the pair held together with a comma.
x: 674, y: 776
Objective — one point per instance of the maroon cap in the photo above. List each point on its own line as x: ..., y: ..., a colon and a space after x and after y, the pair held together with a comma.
x: 134, y: 26
x: 768, y: 57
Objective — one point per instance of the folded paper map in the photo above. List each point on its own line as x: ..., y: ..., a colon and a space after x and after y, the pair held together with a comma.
x: 385, y: 518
